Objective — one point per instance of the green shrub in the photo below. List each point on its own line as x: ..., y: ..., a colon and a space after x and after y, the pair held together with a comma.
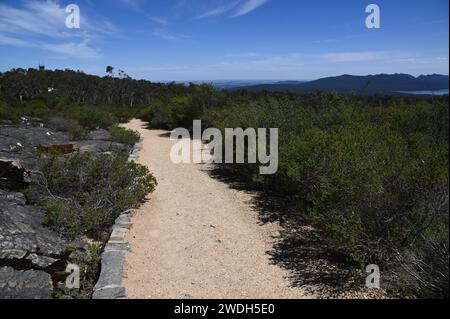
x: 123, y: 115
x: 146, y: 114
x: 370, y: 173
x: 178, y: 111
x: 36, y: 108
x: 85, y: 193
x: 92, y: 117
x: 59, y: 123
x: 124, y: 136
x: 89, y: 263
x: 76, y: 131
x: 7, y: 113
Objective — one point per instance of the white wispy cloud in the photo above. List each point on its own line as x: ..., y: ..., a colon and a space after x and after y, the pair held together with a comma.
x: 248, y: 7
x: 240, y: 7
x: 159, y: 20
x: 241, y: 55
x: 71, y: 49
x: 219, y: 10
x: 41, y: 24
x: 339, y: 39
x: 131, y: 3
x: 423, y: 60
x: 6, y: 40
x: 354, y: 56
x: 75, y: 50
x: 326, y: 41
x: 170, y: 36
x: 44, y: 18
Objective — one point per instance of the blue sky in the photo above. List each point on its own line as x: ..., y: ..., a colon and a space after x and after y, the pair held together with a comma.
x: 165, y: 40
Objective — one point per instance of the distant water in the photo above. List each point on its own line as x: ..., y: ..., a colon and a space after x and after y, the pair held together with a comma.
x: 437, y: 92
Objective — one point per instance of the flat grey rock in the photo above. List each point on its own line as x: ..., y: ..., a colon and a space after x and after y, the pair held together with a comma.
x: 118, y: 234
x: 18, y: 284
x: 110, y: 293
x: 102, y: 135
x: 123, y: 219
x: 10, y: 136
x: 117, y: 247
x: 41, y: 261
x: 22, y: 232
x: 97, y: 146
x: 19, y: 152
x: 12, y: 198
x: 112, y: 269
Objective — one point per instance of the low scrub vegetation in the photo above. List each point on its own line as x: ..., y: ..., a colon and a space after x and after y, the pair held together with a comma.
x: 89, y: 263
x: 8, y: 113
x: 85, y: 193
x: 371, y: 173
x: 123, y: 135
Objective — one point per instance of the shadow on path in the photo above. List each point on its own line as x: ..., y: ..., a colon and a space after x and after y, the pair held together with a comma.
x: 299, y: 247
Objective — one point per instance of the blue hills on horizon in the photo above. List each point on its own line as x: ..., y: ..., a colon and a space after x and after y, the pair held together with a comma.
x: 371, y: 84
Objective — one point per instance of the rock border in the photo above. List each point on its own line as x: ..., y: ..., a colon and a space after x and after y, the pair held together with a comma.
x: 136, y: 149
x: 109, y: 284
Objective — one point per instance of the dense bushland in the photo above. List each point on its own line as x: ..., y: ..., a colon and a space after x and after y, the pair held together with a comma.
x: 79, y: 87
x: 371, y: 173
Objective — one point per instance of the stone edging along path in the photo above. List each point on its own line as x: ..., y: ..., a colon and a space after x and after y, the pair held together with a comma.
x: 109, y: 284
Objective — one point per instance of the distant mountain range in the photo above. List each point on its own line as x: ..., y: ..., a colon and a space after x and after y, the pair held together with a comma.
x: 232, y: 84
x: 370, y: 84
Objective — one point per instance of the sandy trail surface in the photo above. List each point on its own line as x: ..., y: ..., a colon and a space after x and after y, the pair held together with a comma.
x: 196, y: 237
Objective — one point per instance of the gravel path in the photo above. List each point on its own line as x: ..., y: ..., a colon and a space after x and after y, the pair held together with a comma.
x: 196, y: 237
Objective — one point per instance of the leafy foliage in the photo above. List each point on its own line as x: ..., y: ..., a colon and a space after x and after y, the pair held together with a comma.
x: 89, y: 271
x: 85, y: 193
x: 371, y: 173
x: 8, y: 113
x: 124, y: 136
x: 78, y: 87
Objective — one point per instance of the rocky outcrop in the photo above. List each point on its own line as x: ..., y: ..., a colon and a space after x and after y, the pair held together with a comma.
x: 13, y: 137
x: 22, y: 235
x: 98, y: 141
x: 20, y: 148
x: 19, y: 284
x: 97, y: 146
x: 23, y: 144
x: 31, y: 255
x: 100, y: 135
